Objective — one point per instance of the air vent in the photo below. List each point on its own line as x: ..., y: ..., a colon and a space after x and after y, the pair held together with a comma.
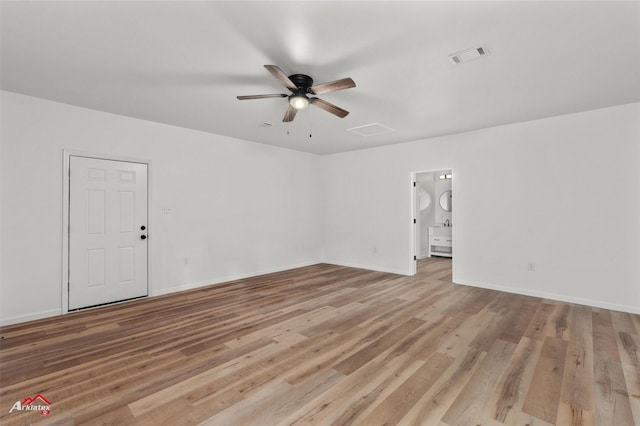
x: 469, y: 54
x: 372, y: 129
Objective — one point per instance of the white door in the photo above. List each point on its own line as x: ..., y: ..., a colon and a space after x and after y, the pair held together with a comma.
x: 107, y: 231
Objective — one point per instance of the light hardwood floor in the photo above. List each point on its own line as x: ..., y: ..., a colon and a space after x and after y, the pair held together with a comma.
x: 328, y: 345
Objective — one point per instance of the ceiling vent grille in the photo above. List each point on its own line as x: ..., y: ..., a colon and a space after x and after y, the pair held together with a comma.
x: 372, y: 129
x: 469, y: 54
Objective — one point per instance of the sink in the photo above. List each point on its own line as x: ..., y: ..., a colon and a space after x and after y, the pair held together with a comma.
x: 439, y: 230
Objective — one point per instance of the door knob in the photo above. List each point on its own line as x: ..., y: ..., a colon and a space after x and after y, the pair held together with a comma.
x: 144, y: 237
x: 143, y: 227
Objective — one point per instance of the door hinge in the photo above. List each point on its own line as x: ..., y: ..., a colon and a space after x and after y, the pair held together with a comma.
x: 414, y: 221
x: 415, y: 257
x: 414, y: 184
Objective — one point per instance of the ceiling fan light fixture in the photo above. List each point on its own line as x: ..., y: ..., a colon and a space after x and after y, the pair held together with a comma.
x: 299, y: 101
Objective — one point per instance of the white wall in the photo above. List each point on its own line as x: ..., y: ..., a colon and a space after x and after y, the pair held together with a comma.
x: 238, y: 208
x: 528, y: 192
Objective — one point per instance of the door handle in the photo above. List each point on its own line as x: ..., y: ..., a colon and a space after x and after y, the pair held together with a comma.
x: 144, y: 237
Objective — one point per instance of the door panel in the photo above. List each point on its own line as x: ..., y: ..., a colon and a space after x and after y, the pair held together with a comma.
x: 107, y: 208
x: 127, y: 211
x: 95, y: 267
x: 96, y: 204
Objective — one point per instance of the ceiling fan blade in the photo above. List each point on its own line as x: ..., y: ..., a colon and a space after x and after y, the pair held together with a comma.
x: 290, y: 114
x: 277, y: 73
x: 329, y: 107
x: 345, y: 83
x: 279, y: 95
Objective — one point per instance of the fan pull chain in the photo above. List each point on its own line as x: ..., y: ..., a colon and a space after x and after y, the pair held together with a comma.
x: 309, y: 119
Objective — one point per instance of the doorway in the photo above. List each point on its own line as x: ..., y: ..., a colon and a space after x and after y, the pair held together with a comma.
x: 107, y: 246
x: 433, y: 214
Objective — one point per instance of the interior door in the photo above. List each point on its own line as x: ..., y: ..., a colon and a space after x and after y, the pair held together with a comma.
x: 107, y: 231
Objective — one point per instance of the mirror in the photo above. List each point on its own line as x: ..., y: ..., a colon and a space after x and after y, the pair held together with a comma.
x: 424, y: 199
x: 445, y: 201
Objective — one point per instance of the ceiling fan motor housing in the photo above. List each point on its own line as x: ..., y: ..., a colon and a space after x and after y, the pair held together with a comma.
x: 303, y: 82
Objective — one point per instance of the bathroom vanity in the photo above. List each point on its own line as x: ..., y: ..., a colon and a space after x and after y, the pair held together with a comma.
x: 440, y: 241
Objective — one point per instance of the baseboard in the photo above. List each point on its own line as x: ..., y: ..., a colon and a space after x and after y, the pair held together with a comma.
x: 369, y: 267
x: 30, y: 317
x: 554, y: 296
x: 524, y: 292
x: 56, y: 312
x: 191, y: 286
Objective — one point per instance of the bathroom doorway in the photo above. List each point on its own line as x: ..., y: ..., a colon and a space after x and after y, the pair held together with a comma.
x: 433, y: 213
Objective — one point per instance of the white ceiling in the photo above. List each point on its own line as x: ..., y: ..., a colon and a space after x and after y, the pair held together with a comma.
x: 183, y: 63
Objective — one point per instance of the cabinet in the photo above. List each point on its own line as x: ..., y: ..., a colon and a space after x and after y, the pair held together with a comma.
x: 440, y: 245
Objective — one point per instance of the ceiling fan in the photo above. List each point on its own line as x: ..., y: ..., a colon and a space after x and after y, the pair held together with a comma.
x: 300, y: 86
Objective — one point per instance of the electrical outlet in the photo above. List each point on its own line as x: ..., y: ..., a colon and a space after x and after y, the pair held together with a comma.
x: 531, y: 267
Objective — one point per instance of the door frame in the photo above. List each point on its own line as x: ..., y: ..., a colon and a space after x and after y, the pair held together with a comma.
x: 66, y: 166
x: 414, y: 202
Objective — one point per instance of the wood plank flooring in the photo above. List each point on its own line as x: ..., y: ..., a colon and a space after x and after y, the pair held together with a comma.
x: 328, y: 345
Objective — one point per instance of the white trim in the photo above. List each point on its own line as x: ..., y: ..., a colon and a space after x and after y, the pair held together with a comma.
x: 66, y: 153
x: 30, y: 317
x: 226, y: 279
x: 454, y: 221
x: 554, y: 296
x: 415, y: 251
